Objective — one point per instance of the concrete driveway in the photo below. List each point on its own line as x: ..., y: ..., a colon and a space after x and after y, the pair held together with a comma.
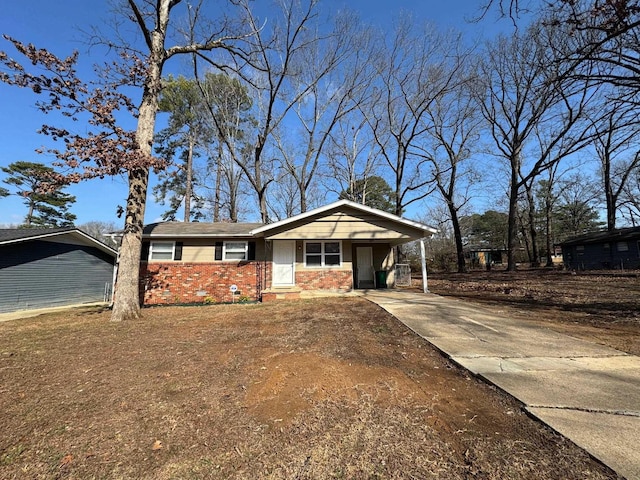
x: 589, y: 393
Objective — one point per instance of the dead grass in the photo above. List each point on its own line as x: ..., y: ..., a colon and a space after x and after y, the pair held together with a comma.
x: 325, y: 388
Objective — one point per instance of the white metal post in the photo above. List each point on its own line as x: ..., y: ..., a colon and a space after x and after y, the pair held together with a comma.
x: 423, y: 256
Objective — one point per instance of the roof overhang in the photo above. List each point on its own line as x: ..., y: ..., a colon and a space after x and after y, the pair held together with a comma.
x: 426, y: 231
x: 74, y: 233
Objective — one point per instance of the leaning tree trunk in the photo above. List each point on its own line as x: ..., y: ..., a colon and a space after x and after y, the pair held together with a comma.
x: 457, y: 235
x: 127, y: 293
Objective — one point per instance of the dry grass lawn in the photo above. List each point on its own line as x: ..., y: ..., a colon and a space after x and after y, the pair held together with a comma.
x: 324, y: 388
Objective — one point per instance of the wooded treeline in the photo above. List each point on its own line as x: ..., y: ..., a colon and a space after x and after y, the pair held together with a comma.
x: 278, y: 111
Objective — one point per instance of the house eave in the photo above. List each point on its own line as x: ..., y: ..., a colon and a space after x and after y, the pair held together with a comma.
x: 203, y: 235
x: 425, y: 229
x: 73, y: 232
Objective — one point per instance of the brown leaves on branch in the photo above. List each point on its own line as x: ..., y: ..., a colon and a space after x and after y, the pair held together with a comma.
x: 100, y: 147
x: 611, y: 16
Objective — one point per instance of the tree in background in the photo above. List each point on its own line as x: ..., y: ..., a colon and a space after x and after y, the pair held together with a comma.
x: 373, y: 192
x: 414, y: 68
x: 575, y: 212
x: 350, y: 156
x: 47, y: 204
x: 186, y: 131
x: 616, y: 129
x: 535, y: 119
x: 451, y: 143
x: 106, y: 232
x: 344, y: 58
x: 271, y: 62
x: 487, y: 230
x: 441, y: 246
x: 630, y: 206
x: 226, y: 109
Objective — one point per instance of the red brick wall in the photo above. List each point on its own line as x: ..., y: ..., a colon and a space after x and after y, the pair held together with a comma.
x: 324, y: 279
x: 178, y: 282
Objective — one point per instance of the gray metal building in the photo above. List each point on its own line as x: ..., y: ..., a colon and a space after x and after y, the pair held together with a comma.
x: 53, y: 267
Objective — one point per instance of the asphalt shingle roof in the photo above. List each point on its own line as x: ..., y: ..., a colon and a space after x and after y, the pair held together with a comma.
x: 9, y: 234
x: 618, y: 235
x: 199, y: 229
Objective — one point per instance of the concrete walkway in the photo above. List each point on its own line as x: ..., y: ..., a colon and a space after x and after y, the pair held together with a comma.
x: 589, y: 393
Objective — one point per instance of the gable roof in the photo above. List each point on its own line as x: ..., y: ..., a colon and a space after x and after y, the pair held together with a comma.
x: 618, y: 235
x: 427, y: 230
x: 10, y: 236
x: 199, y: 229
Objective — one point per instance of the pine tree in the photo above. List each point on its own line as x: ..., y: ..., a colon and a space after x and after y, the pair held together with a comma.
x: 47, y: 204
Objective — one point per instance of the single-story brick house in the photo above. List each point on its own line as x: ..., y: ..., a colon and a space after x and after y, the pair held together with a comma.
x: 52, y: 267
x: 615, y: 249
x: 338, y: 247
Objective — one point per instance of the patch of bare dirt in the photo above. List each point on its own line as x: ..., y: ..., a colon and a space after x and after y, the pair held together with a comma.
x: 325, y: 388
x: 602, y: 307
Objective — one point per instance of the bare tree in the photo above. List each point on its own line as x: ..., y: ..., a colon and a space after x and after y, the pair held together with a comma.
x: 616, y: 129
x: 576, y: 212
x: 414, y: 69
x: 271, y: 62
x: 534, y: 119
x: 547, y: 194
x: 630, y: 205
x: 227, y: 109
x: 453, y: 137
x: 511, y: 9
x: 351, y: 154
x: 153, y: 21
x: 608, y: 33
x: 335, y: 73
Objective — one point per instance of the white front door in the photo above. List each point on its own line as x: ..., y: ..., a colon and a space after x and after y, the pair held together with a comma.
x: 364, y: 264
x: 284, y: 258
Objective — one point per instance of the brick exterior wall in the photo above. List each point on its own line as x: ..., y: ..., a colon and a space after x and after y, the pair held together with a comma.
x: 177, y: 282
x: 324, y: 279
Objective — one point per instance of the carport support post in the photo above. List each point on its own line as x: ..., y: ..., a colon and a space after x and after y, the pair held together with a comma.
x: 423, y: 257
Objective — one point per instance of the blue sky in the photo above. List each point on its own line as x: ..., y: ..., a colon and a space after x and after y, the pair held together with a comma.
x: 58, y: 26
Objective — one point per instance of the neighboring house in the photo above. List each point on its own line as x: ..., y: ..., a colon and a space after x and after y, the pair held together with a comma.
x: 484, y: 257
x: 338, y: 247
x: 52, y: 267
x: 616, y: 249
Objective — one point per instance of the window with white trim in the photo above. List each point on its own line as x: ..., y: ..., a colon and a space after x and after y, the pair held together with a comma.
x: 623, y: 246
x: 161, y: 250
x: 234, y: 251
x: 323, y: 254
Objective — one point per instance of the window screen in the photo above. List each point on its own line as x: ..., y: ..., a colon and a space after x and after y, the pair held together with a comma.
x: 235, y: 251
x: 161, y: 250
x: 322, y: 254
